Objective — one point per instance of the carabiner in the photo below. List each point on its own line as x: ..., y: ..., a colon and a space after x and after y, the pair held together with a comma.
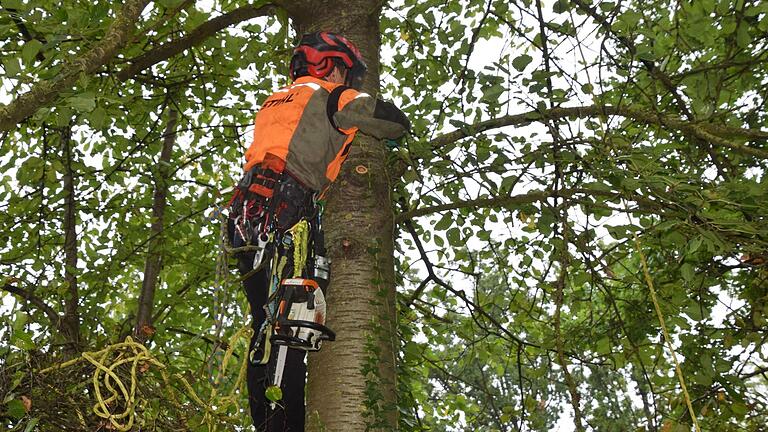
x: 261, y: 244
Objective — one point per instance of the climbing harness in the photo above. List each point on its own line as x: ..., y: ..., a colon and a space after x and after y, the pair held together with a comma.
x: 295, y: 307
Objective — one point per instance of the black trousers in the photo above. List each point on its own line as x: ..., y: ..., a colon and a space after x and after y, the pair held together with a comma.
x: 288, y: 414
x: 293, y: 203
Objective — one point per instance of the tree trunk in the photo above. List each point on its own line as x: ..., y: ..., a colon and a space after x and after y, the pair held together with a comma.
x: 71, y: 319
x: 153, y: 263
x: 352, y: 381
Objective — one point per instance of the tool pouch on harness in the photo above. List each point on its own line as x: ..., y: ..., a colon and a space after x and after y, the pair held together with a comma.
x: 250, y: 211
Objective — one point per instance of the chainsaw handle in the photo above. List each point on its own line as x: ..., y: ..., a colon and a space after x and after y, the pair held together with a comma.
x: 326, y: 333
x: 295, y: 342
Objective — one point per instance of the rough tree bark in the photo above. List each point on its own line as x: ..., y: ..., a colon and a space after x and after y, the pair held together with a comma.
x: 351, y: 383
x: 153, y: 263
x: 71, y: 318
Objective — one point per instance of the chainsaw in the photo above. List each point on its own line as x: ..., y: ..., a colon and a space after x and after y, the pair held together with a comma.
x: 300, y: 320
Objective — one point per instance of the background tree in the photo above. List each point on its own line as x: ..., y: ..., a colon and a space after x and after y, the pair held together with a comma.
x: 569, y: 160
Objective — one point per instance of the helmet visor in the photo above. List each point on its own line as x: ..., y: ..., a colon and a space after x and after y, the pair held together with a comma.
x: 356, y: 75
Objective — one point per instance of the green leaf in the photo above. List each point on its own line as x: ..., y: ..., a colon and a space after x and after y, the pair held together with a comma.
x: 12, y: 66
x: 492, y: 93
x: 694, y: 244
x: 739, y: 409
x: 743, y: 39
x: 454, y: 237
x: 521, y: 62
x: 687, y: 271
x: 85, y: 102
x: 30, y: 50
x: 19, y: 321
x: 14, y: 4
x: 561, y: 6
x: 444, y: 222
x: 168, y: 4
x: 603, y: 346
x: 15, y: 409
x: 96, y: 118
x: 631, y: 18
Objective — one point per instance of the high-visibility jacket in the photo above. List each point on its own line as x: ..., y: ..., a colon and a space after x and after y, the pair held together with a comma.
x: 293, y: 129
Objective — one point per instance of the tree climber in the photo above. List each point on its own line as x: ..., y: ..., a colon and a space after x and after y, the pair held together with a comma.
x: 302, y: 135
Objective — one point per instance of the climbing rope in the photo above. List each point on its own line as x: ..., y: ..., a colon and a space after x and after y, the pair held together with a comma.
x: 127, y: 352
x: 668, y: 340
x: 300, y: 233
x: 220, y: 278
x: 107, y: 382
x: 219, y: 302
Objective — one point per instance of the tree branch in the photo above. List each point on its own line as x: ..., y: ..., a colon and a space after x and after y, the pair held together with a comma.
x: 153, y: 262
x: 649, y: 65
x: 71, y: 321
x: 50, y: 312
x: 45, y: 92
x: 223, y: 344
x: 706, y: 131
x: 195, y: 37
x: 531, y: 197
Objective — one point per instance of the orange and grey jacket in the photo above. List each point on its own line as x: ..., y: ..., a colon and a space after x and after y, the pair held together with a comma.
x: 307, y: 129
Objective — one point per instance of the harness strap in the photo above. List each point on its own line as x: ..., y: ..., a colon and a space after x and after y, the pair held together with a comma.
x: 333, y: 105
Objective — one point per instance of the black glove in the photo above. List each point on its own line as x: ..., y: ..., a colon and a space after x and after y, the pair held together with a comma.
x: 386, y: 110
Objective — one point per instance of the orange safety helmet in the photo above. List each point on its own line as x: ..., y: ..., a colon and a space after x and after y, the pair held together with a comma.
x: 318, y: 53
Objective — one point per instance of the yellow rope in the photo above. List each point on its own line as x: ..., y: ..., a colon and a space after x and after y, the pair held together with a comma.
x: 107, y: 383
x: 300, y: 233
x: 680, y: 377
x: 138, y: 355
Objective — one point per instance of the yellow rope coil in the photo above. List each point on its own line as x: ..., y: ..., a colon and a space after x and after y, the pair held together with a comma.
x: 107, y: 383
x: 137, y: 354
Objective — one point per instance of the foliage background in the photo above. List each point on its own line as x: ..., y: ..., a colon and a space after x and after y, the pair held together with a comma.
x: 522, y: 301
